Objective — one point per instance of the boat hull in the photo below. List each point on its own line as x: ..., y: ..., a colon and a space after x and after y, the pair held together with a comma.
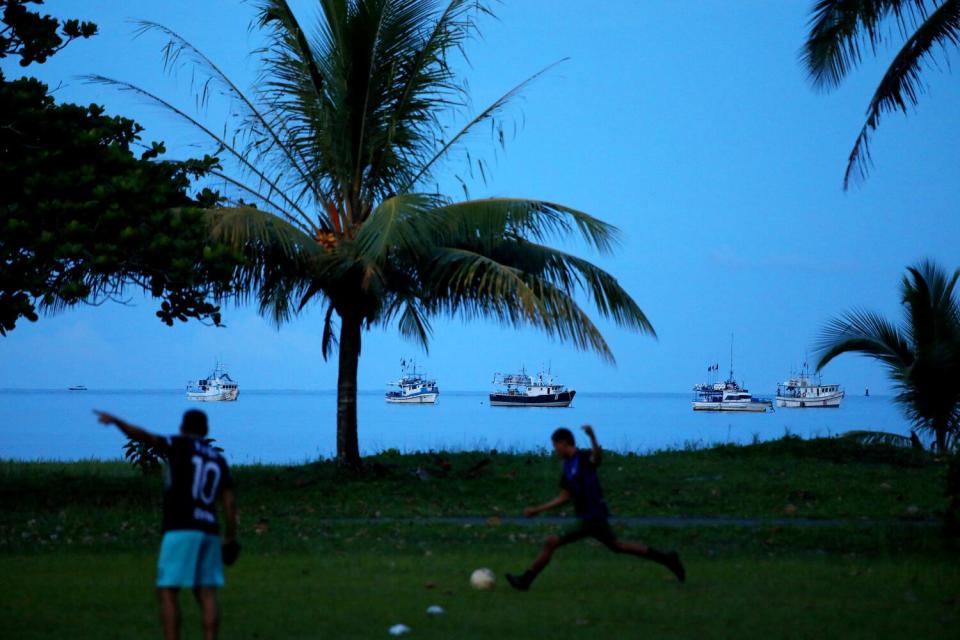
x: 737, y: 407
x: 219, y: 396
x: 562, y: 399
x: 422, y: 398
x: 822, y: 402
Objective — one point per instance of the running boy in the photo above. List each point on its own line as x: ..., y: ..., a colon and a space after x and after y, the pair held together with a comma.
x: 581, y: 484
x: 191, y: 556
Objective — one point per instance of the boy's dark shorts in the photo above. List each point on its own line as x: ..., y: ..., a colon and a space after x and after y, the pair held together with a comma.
x: 599, y: 530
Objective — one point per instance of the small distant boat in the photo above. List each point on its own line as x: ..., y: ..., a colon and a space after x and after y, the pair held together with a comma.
x: 803, y: 391
x: 216, y: 387
x: 77, y: 387
x: 866, y: 392
x: 523, y: 390
x: 413, y: 387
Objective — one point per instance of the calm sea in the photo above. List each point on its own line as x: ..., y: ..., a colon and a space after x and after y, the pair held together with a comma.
x: 297, y: 426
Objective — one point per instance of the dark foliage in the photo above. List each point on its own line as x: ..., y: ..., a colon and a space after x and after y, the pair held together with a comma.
x: 842, y: 32
x: 148, y: 458
x: 34, y: 37
x: 82, y: 217
x: 841, y: 450
x: 921, y: 354
x: 143, y: 456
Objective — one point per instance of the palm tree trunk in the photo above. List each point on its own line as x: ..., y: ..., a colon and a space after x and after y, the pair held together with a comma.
x: 940, y: 429
x: 348, y: 449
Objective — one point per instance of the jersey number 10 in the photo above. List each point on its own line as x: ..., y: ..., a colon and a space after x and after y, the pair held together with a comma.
x: 206, y: 477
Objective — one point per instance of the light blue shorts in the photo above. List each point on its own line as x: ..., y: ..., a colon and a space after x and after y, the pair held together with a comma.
x: 189, y: 559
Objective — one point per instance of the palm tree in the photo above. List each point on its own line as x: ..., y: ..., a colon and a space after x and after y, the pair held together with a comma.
x: 922, y: 355
x: 336, y: 149
x: 841, y: 29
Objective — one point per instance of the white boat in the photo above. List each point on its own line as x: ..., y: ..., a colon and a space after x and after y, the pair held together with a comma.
x: 216, y: 387
x: 803, y: 391
x: 728, y: 396
x: 413, y: 387
x: 523, y: 390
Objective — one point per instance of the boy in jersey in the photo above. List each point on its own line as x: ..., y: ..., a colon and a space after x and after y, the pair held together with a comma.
x: 196, y: 476
x: 581, y: 484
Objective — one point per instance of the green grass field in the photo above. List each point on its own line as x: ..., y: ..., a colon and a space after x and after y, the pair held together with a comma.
x: 586, y: 593
x: 78, y: 542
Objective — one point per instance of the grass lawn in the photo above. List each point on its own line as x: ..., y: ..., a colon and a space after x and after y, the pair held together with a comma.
x: 86, y: 503
x: 585, y: 593
x: 78, y: 543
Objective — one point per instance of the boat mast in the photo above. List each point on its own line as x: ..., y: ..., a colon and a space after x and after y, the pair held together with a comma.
x: 731, y: 356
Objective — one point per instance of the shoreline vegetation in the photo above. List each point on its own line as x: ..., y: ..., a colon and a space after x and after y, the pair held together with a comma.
x: 821, y: 478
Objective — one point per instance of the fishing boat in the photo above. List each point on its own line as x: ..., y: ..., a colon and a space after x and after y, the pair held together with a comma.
x: 727, y: 395
x: 803, y: 391
x: 77, y: 387
x: 523, y: 390
x: 216, y: 387
x: 413, y: 387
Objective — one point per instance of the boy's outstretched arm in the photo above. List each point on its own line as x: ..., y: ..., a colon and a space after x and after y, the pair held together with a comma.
x: 596, y: 453
x: 546, y: 506
x: 132, y: 432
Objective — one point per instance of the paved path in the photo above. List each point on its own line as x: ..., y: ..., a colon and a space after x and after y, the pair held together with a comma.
x: 648, y: 521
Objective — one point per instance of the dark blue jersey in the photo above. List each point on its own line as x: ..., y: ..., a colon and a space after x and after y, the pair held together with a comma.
x: 195, y: 477
x: 581, y: 480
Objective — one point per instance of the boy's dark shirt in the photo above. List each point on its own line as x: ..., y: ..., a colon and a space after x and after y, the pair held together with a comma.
x: 581, y: 480
x: 194, y: 479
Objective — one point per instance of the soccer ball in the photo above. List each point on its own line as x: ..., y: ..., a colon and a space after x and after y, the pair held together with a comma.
x: 482, y: 579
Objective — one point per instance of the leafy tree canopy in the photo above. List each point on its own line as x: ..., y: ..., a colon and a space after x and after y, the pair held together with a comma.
x: 82, y: 217
x: 34, y: 37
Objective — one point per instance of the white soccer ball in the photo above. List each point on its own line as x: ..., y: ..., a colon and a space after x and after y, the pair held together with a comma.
x: 482, y: 579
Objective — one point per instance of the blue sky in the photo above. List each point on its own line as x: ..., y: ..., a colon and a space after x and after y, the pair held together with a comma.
x: 689, y: 125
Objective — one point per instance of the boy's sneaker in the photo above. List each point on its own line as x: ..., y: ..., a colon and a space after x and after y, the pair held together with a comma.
x: 673, y: 563
x: 518, y: 582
